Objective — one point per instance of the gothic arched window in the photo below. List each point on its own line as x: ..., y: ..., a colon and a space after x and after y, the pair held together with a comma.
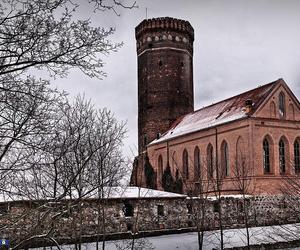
x: 160, y: 167
x: 281, y: 105
x: 297, y: 157
x: 282, y: 160
x: 266, y: 151
x: 210, y: 161
x: 185, y: 164
x: 225, y: 159
x: 196, y: 164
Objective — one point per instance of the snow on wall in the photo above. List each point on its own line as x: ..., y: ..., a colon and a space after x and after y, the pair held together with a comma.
x: 117, y: 192
x: 137, y: 192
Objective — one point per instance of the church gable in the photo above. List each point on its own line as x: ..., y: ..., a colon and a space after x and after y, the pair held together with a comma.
x: 281, y: 103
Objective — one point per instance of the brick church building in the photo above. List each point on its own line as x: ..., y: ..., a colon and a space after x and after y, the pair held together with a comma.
x: 251, y: 138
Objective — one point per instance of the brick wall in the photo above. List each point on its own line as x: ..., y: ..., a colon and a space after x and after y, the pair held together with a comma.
x: 165, y: 75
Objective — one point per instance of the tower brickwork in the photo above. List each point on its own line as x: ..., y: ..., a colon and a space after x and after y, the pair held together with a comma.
x: 165, y: 75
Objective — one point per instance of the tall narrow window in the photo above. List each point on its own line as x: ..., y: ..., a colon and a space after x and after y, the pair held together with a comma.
x: 196, y: 164
x: 225, y: 159
x: 185, y: 163
x: 174, y: 162
x: 266, y: 151
x: 297, y: 157
x: 210, y: 161
x: 281, y: 105
x: 282, y: 156
x: 160, y: 168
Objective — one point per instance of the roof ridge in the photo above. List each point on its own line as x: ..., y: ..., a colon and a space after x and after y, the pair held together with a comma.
x: 213, y: 112
x: 235, y: 96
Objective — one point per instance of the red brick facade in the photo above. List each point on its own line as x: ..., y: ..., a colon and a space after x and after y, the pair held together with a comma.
x: 244, y: 136
x: 256, y: 134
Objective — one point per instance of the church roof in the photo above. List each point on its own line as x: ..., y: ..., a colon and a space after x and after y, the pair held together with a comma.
x: 225, y: 111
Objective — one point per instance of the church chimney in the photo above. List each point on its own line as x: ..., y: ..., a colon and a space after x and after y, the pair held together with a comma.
x: 248, y: 104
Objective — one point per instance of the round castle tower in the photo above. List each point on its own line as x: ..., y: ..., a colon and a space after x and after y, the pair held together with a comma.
x: 165, y: 75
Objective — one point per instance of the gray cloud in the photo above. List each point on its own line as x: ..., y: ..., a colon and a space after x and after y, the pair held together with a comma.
x: 239, y: 44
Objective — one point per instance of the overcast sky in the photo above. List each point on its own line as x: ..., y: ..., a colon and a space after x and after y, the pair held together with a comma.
x: 239, y: 44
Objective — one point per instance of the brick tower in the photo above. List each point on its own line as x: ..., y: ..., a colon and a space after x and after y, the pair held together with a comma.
x: 165, y: 75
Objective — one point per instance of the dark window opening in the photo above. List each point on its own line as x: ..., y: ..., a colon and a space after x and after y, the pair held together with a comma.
x: 160, y: 169
x: 266, y: 151
x: 185, y: 163
x: 282, y: 156
x: 210, y: 162
x: 189, y: 208
x: 297, y: 157
x: 216, y: 207
x: 160, y: 63
x: 225, y: 160
x: 160, y: 210
x: 281, y: 105
x: 150, y: 45
x: 128, y: 209
x: 129, y: 226
x: 196, y: 164
x: 181, y: 64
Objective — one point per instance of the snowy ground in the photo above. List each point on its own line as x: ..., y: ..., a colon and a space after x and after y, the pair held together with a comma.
x: 188, y: 241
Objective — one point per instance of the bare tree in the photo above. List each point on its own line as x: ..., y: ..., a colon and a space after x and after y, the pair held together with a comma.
x: 217, y: 181
x: 243, y: 183
x: 135, y: 242
x: 288, y: 205
x: 44, y: 34
x: 198, y: 190
x: 28, y: 116
x: 78, y: 157
x: 199, y: 201
x: 48, y: 147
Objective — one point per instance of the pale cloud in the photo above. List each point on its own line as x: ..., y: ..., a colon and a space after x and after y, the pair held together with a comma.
x: 239, y: 44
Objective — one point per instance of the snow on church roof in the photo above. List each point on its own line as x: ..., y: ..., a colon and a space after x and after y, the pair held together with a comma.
x: 225, y: 111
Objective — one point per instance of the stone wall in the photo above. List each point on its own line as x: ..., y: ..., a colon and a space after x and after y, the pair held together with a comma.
x: 69, y: 221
